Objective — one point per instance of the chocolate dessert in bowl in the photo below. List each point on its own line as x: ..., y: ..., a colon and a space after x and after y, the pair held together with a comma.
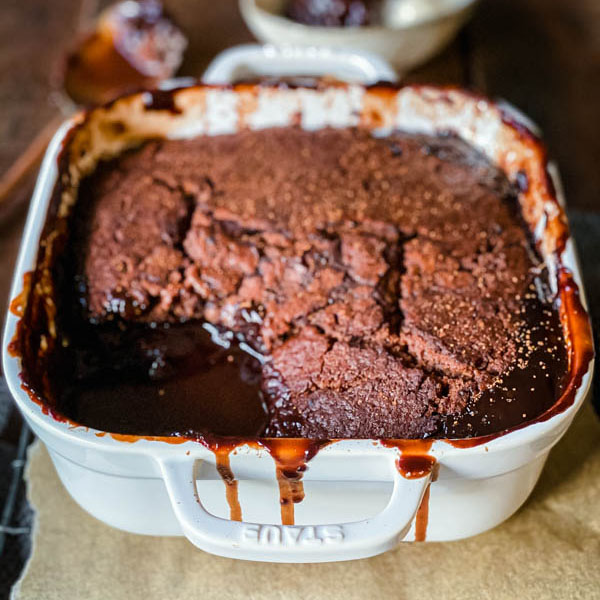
x: 325, y: 284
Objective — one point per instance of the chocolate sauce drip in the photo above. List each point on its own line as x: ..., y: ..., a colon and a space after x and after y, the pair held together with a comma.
x: 291, y: 458
x: 422, y: 517
x: 231, y: 484
x: 413, y: 460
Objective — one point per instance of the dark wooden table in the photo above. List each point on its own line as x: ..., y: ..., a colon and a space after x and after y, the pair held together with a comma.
x: 541, y: 55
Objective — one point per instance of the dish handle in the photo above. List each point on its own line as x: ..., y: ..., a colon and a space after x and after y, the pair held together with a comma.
x: 249, y: 61
x: 290, y: 543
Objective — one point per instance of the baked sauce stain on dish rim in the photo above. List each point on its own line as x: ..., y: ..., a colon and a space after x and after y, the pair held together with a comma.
x: 291, y: 455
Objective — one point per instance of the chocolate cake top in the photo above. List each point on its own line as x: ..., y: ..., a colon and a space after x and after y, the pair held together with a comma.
x: 386, y: 283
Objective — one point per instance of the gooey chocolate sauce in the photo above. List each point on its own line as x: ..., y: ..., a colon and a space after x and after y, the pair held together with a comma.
x: 173, y: 380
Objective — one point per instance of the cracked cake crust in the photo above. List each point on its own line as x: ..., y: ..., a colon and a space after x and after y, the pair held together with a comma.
x: 383, y: 281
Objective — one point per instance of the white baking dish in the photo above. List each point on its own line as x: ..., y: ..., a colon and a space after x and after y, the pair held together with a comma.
x: 358, y: 503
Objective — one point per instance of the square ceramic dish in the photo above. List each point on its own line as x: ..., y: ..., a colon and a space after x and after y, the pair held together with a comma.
x: 361, y: 496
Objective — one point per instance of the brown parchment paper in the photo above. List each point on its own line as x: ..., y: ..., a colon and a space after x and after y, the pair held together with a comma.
x: 549, y: 549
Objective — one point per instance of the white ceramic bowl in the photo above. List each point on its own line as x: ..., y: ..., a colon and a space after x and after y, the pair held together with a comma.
x: 252, y: 61
x: 358, y: 503
x: 413, y: 30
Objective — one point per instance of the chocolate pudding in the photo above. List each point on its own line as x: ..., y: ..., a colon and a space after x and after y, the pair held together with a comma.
x: 335, y: 13
x: 292, y: 283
